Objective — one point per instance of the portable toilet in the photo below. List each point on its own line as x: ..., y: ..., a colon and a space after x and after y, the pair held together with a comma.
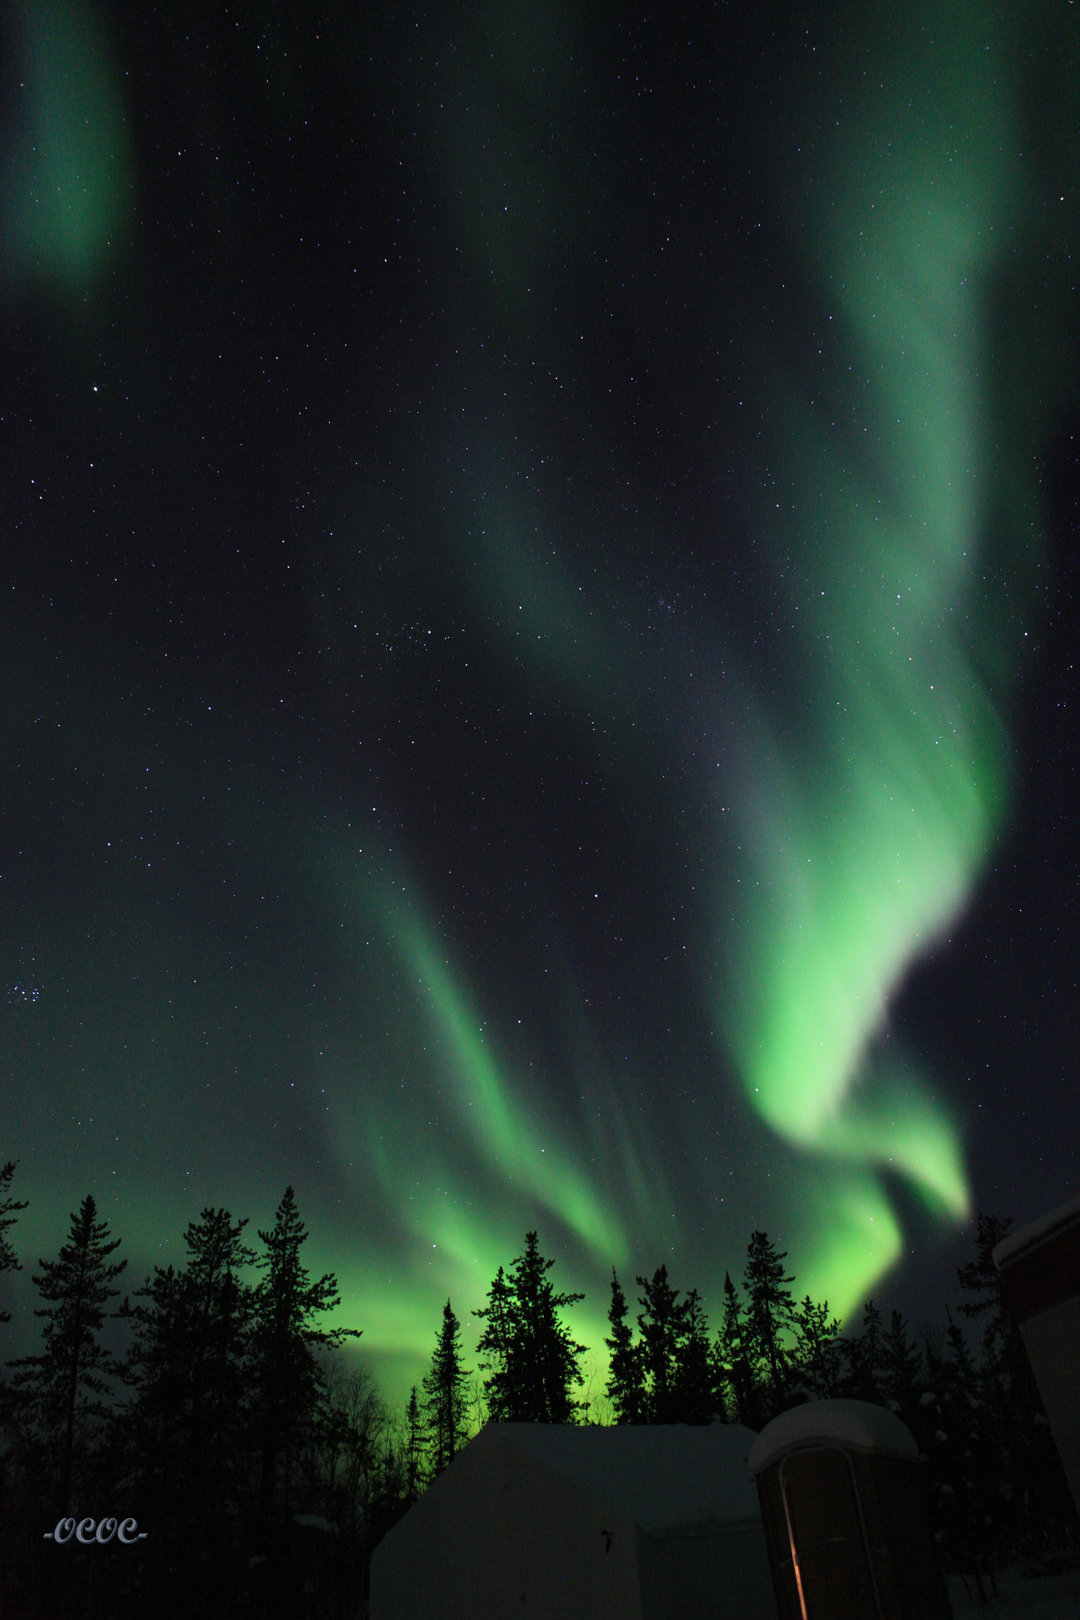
x: 841, y: 1491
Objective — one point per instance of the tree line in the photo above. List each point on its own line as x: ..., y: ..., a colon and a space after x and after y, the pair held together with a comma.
x: 266, y: 1466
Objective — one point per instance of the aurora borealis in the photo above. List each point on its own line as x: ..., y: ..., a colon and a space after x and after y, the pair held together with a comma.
x: 540, y: 587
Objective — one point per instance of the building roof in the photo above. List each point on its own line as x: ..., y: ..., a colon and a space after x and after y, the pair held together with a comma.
x: 660, y: 1477
x: 1037, y: 1232
x: 1040, y: 1264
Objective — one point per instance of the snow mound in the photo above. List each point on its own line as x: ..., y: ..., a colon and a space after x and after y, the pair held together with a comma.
x: 855, y: 1425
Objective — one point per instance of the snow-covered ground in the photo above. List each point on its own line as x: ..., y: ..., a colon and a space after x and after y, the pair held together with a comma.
x: 1040, y: 1597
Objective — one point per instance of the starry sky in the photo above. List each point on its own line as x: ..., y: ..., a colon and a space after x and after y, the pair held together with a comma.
x: 539, y: 603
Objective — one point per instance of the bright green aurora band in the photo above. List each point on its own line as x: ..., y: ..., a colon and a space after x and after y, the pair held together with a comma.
x: 867, y: 830
x: 868, y: 801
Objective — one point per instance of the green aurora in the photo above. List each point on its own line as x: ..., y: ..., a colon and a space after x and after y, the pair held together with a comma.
x: 850, y: 799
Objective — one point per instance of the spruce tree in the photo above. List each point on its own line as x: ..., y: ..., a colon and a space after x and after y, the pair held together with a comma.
x: 901, y: 1371
x: 65, y: 1386
x: 1004, y: 1357
x: 531, y: 1361
x: 770, y: 1313
x: 414, y: 1459
x: 662, y: 1326
x: 189, y: 1364
x: 695, y: 1395
x: 625, y: 1382
x: 817, y: 1354
x: 444, y: 1409
x: 965, y: 1455
x: 864, y: 1357
x: 285, y: 1344
x: 9, y: 1209
x: 733, y: 1370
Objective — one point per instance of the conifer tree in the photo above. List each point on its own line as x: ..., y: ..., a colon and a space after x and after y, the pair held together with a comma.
x: 9, y: 1209
x: 285, y: 1342
x: 1003, y: 1350
x: 625, y: 1383
x: 531, y: 1361
x: 964, y: 1456
x: 901, y: 1371
x: 414, y: 1463
x: 770, y: 1313
x: 817, y: 1353
x: 661, y: 1324
x: 696, y: 1397
x: 65, y: 1386
x: 188, y: 1362
x: 444, y: 1386
x: 864, y: 1357
x: 732, y: 1367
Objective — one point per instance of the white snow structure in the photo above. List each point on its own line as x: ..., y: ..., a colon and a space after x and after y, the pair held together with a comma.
x: 583, y: 1523
x: 1040, y: 1268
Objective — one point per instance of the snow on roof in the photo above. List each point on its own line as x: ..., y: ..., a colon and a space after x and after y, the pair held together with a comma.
x: 1036, y: 1231
x: 659, y: 1476
x: 855, y: 1425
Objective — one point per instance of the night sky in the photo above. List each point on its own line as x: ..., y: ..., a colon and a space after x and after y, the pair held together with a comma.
x: 540, y: 590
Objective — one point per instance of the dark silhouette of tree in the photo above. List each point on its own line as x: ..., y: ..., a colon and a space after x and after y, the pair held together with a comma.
x: 64, y: 1388
x: 190, y: 1347
x: 414, y: 1459
x: 902, y: 1378
x: 818, y: 1351
x: 445, y: 1407
x: 183, y: 1439
x: 625, y: 1383
x: 864, y: 1357
x: 9, y: 1209
x: 531, y: 1361
x: 285, y: 1368
x: 733, y: 1369
x: 696, y: 1398
x: 982, y: 1278
x: 344, y: 1464
x: 1006, y: 1367
x: 662, y: 1326
x: 960, y: 1460
x: 667, y: 1373
x: 770, y: 1314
